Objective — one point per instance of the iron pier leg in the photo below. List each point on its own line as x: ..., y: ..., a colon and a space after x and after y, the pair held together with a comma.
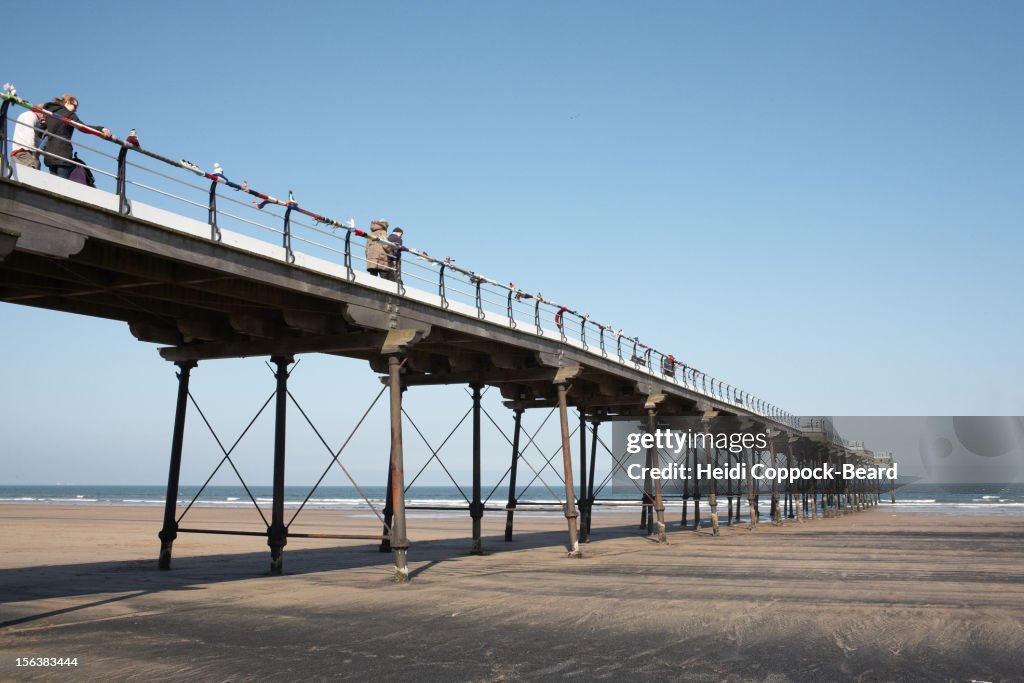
x: 389, y: 510
x: 751, y: 495
x: 842, y: 508
x: 170, y: 529
x: 399, y: 541
x: 844, y: 493
x: 798, y: 496
x: 728, y: 483
x: 848, y: 490
x: 277, y: 534
x: 826, y: 493
x: 776, y: 514
x: 590, y: 483
x: 584, y: 502
x: 790, y: 507
x: 686, y: 481
x: 830, y: 495
x: 570, y: 496
x: 658, y: 513
x: 646, y: 518
x: 512, y: 474
x: 814, y: 497
x: 740, y: 460
x: 756, y: 483
x: 712, y: 491
x: 476, y: 508
x: 696, y: 493
x: 806, y: 504
x: 826, y: 499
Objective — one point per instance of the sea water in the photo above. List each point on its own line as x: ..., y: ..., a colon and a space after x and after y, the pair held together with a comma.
x: 1000, y: 499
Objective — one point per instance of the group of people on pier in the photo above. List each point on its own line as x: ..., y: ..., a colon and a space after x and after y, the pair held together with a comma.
x: 36, y: 134
x: 46, y: 140
x: 384, y: 251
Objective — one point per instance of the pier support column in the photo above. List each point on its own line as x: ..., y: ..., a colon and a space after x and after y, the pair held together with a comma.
x: 798, y: 498
x: 712, y: 489
x: 776, y: 514
x: 588, y: 514
x: 851, y: 496
x: 570, y: 497
x: 512, y: 501
x: 652, y: 455
x: 751, y: 495
x: 728, y: 484
x: 169, y: 532
x: 790, y: 507
x: 825, y: 495
x: 814, y: 497
x: 476, y: 508
x: 646, y: 509
x: 696, y: 492
x: 740, y: 460
x: 805, y: 491
x: 277, y: 534
x: 686, y: 480
x: 583, y: 502
x: 399, y: 539
x: 389, y: 501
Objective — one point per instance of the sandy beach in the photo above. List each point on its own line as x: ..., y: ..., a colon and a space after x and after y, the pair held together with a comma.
x: 872, y: 596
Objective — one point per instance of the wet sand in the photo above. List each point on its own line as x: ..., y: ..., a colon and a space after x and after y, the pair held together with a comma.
x: 872, y: 596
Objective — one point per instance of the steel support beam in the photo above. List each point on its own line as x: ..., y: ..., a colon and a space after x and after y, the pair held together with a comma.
x: 512, y: 501
x: 570, y: 496
x: 712, y: 488
x: 790, y: 506
x: 652, y: 455
x: 476, y: 507
x: 588, y: 517
x: 399, y: 540
x: 751, y: 495
x: 696, y: 492
x: 583, y: 502
x: 170, y: 528
x: 686, y: 481
x: 776, y: 513
x: 728, y: 487
x: 277, y: 533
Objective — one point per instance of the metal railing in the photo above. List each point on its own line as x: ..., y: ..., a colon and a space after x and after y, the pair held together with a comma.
x: 489, y: 299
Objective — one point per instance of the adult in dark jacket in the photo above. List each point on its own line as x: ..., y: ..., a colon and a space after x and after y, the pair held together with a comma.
x: 58, y: 151
x: 395, y: 257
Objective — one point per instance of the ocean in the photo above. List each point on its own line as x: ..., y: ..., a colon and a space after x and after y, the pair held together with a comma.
x: 957, y: 499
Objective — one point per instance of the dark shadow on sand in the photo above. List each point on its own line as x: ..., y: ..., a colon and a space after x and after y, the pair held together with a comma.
x: 142, y: 577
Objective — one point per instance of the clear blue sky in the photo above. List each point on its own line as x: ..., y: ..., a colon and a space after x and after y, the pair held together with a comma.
x: 821, y: 203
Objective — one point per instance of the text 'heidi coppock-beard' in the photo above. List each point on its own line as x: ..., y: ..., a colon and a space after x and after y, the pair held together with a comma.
x: 760, y: 471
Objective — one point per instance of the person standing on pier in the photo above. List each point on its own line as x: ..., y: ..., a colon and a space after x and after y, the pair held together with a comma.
x: 28, y: 129
x: 377, y: 250
x: 395, y: 257
x: 58, y: 151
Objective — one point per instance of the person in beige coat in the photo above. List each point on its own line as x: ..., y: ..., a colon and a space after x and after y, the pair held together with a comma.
x: 377, y: 250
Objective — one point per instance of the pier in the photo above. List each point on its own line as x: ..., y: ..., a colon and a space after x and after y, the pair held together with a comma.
x: 273, y: 279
